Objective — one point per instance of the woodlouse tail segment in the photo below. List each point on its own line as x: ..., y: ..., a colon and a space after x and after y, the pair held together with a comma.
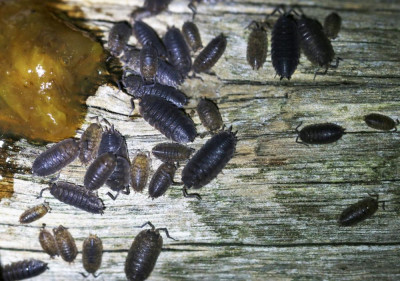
x: 41, y: 192
x: 166, y: 233
x: 190, y: 195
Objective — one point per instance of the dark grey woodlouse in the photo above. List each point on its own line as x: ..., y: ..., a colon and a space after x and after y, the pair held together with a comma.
x: 65, y: 243
x: 100, y: 170
x: 177, y: 50
x: 77, y: 196
x: 120, y: 178
x: 56, y: 157
x: 150, y: 8
x: 143, y: 253
x: 148, y: 63
x: 134, y: 86
x: 118, y: 37
x: 209, y: 56
x: 140, y: 169
x: 380, y: 122
x: 315, y: 44
x: 332, y: 25
x: 34, y: 213
x: 172, y: 152
x: 209, y: 115
x: 192, y: 35
x: 112, y: 141
x: 209, y: 161
x: 168, y: 119
x: 359, y: 211
x: 92, y: 254
x: 48, y: 242
x: 162, y: 179
x: 145, y: 34
x: 285, y: 45
x: 257, y: 45
x: 90, y: 142
x: 319, y: 133
x: 23, y: 269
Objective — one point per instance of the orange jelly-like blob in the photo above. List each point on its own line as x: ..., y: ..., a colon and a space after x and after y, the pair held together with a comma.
x: 47, y: 70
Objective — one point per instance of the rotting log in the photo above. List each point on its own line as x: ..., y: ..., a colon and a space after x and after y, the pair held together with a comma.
x: 271, y: 214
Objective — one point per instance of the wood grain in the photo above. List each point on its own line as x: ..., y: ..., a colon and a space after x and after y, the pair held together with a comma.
x: 272, y: 213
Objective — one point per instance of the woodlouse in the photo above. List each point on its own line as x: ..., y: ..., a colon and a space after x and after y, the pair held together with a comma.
x: 76, y: 196
x: 34, y: 213
x: 209, y: 56
x: 120, y: 178
x: 332, y: 25
x: 209, y: 115
x: 285, y: 45
x: 100, y: 170
x: 56, y: 157
x: 150, y: 8
x: 209, y: 161
x: 192, y: 35
x: 257, y: 45
x: 162, y: 179
x: 359, y: 211
x: 90, y: 142
x: 380, y: 122
x: 140, y: 169
x: 48, y: 242
x: 319, y: 133
x: 118, y: 37
x: 148, y: 63
x: 168, y: 119
x: 112, y: 141
x: 172, y: 152
x: 134, y: 85
x: 65, y: 243
x: 177, y: 50
x: 145, y: 34
x: 92, y: 253
x: 23, y: 269
x: 143, y: 253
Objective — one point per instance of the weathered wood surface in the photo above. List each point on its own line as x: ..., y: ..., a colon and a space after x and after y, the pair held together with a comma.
x: 272, y: 213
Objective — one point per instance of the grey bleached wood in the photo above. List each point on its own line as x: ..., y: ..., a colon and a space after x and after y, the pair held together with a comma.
x: 272, y: 213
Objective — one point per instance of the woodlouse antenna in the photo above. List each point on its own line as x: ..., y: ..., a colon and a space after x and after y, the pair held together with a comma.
x: 166, y: 233
x: 190, y: 195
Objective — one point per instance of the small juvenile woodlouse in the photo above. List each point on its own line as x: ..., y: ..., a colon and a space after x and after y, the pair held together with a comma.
x: 143, y: 253
x: 150, y: 8
x: 90, y: 142
x: 120, y: 178
x: 168, y: 119
x: 172, y: 152
x: 134, y: 85
x: 315, y: 44
x: 48, y: 242
x: 145, y: 34
x: 100, y: 170
x: 112, y: 141
x: 257, y: 45
x: 56, y: 157
x: 177, y: 50
x: 319, y: 133
x: 23, y: 269
x: 140, y: 169
x: 148, y: 63
x: 34, y: 213
x: 162, y: 179
x: 380, y: 122
x: 92, y: 254
x: 209, y: 161
x: 359, y: 211
x: 65, y: 243
x: 118, y: 37
x: 285, y: 45
x: 77, y: 196
x: 332, y: 25
x: 192, y: 35
x: 209, y: 115
x: 209, y: 56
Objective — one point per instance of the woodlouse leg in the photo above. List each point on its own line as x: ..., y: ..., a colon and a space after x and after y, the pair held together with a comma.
x: 189, y: 195
x: 166, y: 233
x: 41, y: 192
x: 112, y: 196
